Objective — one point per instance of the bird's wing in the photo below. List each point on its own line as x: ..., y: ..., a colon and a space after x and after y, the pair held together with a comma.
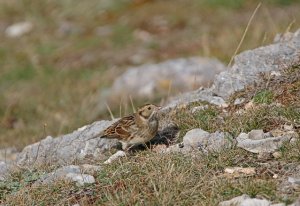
x: 120, y: 129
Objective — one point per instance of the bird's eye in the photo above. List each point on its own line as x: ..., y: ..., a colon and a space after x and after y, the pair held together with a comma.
x: 149, y: 108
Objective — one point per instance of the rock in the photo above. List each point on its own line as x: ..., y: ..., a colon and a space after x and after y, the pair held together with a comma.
x: 287, y: 127
x: 18, y: 29
x: 239, y: 171
x: 68, y: 148
x: 245, y: 71
x: 199, y: 108
x: 80, y: 179
x: 256, y: 134
x: 239, y: 101
x: 175, y: 148
x: 4, y: 170
x: 275, y: 73
x: 277, y: 155
x: 115, y: 156
x: 195, y: 96
x: 80, y: 174
x: 198, y: 139
x: 193, y: 137
x: 150, y: 80
x: 290, y: 184
x: 249, y: 64
x: 294, y: 181
x: 258, y: 142
x: 245, y: 200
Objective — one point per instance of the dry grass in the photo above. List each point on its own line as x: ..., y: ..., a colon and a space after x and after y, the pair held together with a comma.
x: 153, y: 179
x: 49, y: 85
x: 149, y: 178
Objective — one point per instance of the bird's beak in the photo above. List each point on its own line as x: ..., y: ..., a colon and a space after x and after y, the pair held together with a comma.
x: 159, y: 108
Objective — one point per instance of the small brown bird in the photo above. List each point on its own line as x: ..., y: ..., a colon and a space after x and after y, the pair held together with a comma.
x: 137, y: 128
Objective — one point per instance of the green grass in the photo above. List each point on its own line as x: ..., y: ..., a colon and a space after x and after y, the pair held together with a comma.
x: 263, y: 97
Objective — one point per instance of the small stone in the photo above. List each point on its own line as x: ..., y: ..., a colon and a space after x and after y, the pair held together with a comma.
x: 81, y: 179
x: 275, y: 176
x: 245, y: 200
x: 238, y: 101
x: 115, y: 156
x: 193, y: 138
x: 198, y: 139
x: 249, y: 105
x: 239, y: 171
x: 219, y: 101
x: 80, y: 174
x: 258, y: 142
x: 275, y: 73
x: 277, y: 155
x: 18, y: 29
x: 294, y: 181
x: 240, y: 111
x: 199, y: 108
x: 287, y: 127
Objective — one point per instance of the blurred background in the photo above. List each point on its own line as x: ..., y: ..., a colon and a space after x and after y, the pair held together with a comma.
x: 58, y: 57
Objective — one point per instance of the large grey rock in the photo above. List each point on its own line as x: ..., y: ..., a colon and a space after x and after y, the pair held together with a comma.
x: 250, y: 63
x: 150, y: 80
x: 257, y: 141
x: 67, y: 148
x: 246, y: 69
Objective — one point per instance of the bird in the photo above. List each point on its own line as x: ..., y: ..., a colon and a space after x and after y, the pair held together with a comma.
x: 135, y: 129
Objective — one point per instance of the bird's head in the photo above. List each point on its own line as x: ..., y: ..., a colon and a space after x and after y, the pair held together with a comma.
x: 148, y: 111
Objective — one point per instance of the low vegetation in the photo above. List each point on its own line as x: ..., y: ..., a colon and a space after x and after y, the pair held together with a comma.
x: 50, y: 80
x: 149, y: 178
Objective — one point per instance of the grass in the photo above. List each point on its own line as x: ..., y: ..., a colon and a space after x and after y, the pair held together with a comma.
x: 149, y: 178
x: 64, y: 63
x: 50, y: 80
x: 155, y: 179
x: 263, y: 97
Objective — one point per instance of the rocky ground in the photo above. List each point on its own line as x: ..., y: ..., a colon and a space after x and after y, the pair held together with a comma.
x: 237, y: 139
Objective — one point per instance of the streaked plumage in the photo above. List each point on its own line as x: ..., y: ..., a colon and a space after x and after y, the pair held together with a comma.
x: 137, y: 128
